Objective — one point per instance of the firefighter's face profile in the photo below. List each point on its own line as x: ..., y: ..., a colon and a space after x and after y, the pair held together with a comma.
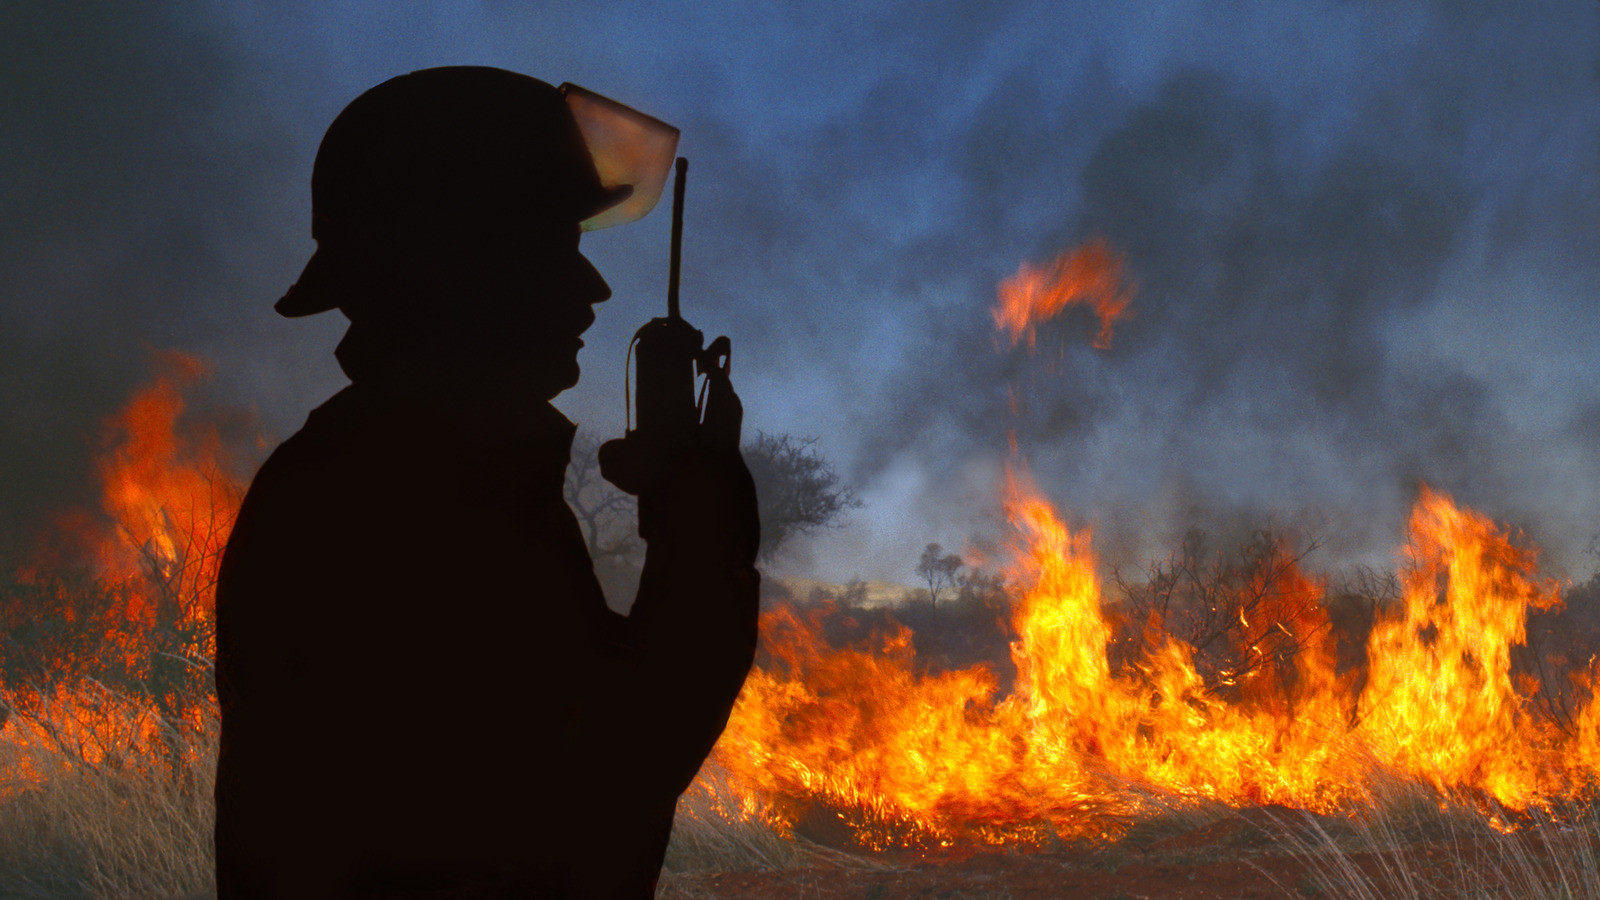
x: 537, y: 299
x: 563, y: 313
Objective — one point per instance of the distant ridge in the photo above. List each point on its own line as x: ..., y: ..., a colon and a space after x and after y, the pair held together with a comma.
x: 870, y: 594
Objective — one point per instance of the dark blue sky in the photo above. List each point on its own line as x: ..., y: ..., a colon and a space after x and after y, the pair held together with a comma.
x: 1366, y: 237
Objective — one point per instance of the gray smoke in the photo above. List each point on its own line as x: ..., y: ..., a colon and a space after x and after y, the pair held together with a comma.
x: 1314, y: 330
x: 1364, y: 236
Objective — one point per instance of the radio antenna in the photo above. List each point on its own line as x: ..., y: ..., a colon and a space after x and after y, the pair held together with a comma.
x: 677, y: 239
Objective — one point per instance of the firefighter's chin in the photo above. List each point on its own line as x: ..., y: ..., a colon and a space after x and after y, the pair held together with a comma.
x: 549, y: 376
x: 570, y: 380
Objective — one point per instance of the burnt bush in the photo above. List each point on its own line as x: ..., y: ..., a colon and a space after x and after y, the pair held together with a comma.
x: 1247, y: 613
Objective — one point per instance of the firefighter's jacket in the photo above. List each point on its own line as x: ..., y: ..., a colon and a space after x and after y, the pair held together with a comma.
x: 423, y: 692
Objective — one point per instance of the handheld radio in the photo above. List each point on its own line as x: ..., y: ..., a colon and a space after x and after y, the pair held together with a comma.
x: 671, y: 355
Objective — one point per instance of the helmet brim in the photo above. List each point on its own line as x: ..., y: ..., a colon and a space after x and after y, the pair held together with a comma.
x: 314, y: 291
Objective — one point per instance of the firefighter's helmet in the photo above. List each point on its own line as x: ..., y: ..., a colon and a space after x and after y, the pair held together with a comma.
x: 456, y: 155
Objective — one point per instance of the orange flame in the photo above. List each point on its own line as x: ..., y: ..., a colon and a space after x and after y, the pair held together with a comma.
x: 136, y: 641
x: 1078, y: 745
x: 938, y: 757
x: 1090, y: 275
x: 1439, y: 702
x: 172, y: 495
x: 1069, y: 734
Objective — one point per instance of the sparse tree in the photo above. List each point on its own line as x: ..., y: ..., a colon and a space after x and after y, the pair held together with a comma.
x: 606, y: 514
x: 982, y: 588
x: 796, y: 487
x: 608, y: 517
x: 797, y: 490
x: 938, y: 569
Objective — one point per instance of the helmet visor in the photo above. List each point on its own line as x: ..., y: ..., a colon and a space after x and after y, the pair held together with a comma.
x: 628, y: 147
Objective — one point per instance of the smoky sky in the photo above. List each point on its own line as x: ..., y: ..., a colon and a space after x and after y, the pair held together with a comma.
x: 1363, y: 236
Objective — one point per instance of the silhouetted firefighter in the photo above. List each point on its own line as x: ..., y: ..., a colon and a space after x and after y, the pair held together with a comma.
x: 423, y: 692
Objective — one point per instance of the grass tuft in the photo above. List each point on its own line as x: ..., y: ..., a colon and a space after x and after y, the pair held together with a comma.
x: 1415, y: 843
x: 137, y: 824
x: 134, y: 827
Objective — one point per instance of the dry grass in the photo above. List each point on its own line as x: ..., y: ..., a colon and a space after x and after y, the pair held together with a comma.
x: 712, y: 834
x: 138, y: 827
x: 1410, y: 842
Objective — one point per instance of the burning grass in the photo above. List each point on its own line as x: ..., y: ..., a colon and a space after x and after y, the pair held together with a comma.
x: 1045, y: 714
x: 1101, y: 712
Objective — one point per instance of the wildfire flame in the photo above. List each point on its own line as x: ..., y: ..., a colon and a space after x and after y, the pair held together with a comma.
x: 171, y: 496
x: 1067, y: 735
x: 913, y: 757
x: 1089, y: 275
x: 1439, y: 701
x: 920, y: 758
x: 124, y: 669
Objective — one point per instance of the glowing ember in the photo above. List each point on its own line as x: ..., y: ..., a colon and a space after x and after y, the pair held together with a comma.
x: 1089, y: 275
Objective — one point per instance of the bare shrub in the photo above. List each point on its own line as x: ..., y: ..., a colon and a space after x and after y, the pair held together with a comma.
x: 1245, y: 614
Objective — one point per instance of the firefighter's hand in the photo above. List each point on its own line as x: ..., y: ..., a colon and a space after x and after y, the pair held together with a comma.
x: 700, y: 499
x: 698, y: 503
